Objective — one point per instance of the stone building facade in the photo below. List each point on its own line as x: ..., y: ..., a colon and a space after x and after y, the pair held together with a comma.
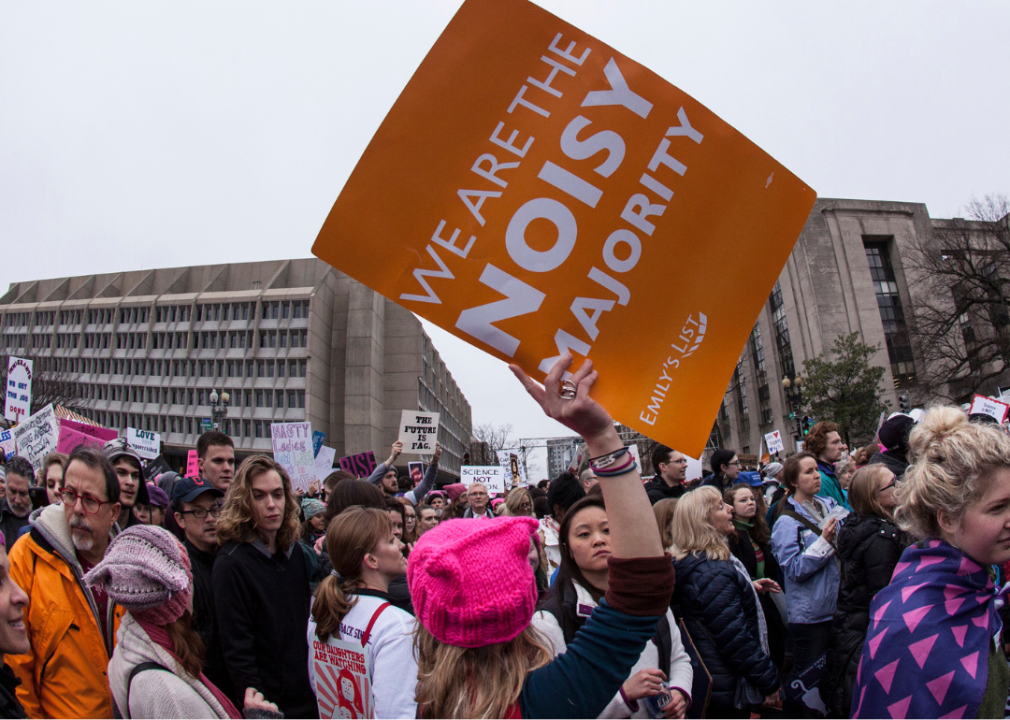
x: 287, y: 340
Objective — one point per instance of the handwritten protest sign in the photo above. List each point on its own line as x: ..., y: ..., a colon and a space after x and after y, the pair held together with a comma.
x: 360, y: 465
x: 70, y: 438
x: 988, y: 406
x: 103, y: 435
x: 146, y: 443
x: 773, y: 441
x: 510, y: 462
x: 292, y: 446
x: 493, y: 476
x: 324, y: 462
x: 8, y: 448
x: 544, y: 184
x: 37, y: 436
x: 18, y: 395
x: 343, y: 688
x: 317, y: 441
x: 192, y: 464
x: 418, y: 431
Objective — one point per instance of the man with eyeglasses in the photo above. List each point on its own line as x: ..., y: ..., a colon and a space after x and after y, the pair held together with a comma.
x: 197, y: 506
x: 71, y: 627
x: 671, y: 469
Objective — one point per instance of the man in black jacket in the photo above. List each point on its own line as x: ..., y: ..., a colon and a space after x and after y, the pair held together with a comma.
x: 671, y: 469
x: 17, y: 506
x: 197, y: 506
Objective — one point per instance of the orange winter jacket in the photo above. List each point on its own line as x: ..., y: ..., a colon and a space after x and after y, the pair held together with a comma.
x: 65, y: 674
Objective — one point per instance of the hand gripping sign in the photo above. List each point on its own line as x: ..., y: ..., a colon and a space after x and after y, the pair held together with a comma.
x: 533, y: 191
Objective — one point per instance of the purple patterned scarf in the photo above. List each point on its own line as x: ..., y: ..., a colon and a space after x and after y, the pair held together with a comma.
x: 927, y: 648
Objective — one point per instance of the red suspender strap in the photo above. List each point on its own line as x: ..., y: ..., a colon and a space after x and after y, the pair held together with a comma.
x: 375, y: 616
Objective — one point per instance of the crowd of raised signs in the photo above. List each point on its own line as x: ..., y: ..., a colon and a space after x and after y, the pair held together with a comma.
x: 840, y: 582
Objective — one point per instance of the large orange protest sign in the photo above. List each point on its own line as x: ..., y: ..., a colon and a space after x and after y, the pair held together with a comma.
x: 534, y: 191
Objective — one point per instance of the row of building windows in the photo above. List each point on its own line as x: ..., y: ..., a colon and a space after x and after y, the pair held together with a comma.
x: 260, y: 398
x: 234, y: 427
x: 185, y: 368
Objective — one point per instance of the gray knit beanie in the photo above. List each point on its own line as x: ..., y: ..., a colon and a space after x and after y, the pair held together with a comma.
x: 147, y: 571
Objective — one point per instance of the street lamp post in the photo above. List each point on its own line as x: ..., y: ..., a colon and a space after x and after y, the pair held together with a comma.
x: 219, y: 407
x: 794, y: 396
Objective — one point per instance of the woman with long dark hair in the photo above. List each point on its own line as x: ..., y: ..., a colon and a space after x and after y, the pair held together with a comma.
x: 725, y: 468
x: 583, y: 579
x: 353, y: 603
x: 751, y: 545
x: 869, y: 547
x: 157, y: 667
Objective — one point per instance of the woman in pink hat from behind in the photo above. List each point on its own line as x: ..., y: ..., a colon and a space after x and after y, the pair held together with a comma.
x: 473, y: 592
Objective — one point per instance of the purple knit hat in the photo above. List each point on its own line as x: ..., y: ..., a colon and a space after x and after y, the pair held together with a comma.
x: 471, y: 581
x: 147, y: 571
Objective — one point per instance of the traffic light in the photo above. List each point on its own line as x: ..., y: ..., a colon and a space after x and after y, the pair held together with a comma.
x: 905, y: 401
x: 466, y: 458
x: 808, y: 423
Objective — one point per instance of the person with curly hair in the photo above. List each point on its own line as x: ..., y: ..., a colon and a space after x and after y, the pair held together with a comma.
x: 261, y: 588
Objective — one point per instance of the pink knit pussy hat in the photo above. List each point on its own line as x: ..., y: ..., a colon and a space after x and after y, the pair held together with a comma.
x: 471, y: 580
x: 147, y: 571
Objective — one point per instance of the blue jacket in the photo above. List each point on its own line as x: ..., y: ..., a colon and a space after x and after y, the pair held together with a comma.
x: 718, y: 608
x: 808, y: 563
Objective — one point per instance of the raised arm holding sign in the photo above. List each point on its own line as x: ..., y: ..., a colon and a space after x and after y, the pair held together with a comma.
x: 557, y: 180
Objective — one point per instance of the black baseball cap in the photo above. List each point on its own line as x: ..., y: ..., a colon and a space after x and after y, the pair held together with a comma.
x: 189, y: 489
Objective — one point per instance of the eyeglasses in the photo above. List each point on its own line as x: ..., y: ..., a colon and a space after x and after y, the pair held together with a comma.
x: 735, y: 462
x: 201, y: 514
x: 91, y: 505
x: 525, y: 506
x: 888, y: 486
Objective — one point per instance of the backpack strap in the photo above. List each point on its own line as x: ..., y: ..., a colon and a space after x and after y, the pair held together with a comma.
x: 371, y: 623
x: 789, y: 512
x: 663, y: 645
x: 137, y: 669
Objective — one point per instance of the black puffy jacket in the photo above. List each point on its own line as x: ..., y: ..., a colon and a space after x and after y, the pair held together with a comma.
x: 869, y: 547
x: 718, y: 608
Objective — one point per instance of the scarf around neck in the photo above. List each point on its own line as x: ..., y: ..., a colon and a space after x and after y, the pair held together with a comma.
x: 927, y: 648
x: 159, y: 636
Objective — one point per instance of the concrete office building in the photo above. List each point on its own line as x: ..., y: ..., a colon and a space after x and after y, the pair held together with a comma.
x: 287, y: 340
x: 845, y: 275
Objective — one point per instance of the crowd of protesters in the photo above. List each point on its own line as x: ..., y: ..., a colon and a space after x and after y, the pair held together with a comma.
x: 832, y: 583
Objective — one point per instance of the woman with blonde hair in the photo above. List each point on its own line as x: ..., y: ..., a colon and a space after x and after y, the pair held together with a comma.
x: 519, y: 503
x: 473, y: 591
x: 261, y: 587
x: 929, y: 650
x: 51, y: 475
x: 353, y: 604
x: 869, y: 547
x: 720, y: 607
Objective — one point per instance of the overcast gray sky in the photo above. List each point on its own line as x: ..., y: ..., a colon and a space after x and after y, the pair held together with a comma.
x: 159, y: 134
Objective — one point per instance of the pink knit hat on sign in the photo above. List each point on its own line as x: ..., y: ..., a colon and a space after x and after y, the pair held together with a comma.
x: 471, y: 580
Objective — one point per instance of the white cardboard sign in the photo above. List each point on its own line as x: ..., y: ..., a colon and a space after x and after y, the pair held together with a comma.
x: 418, y: 431
x: 492, y: 476
x: 694, y: 469
x: 18, y: 395
x: 146, y: 443
x: 989, y: 406
x: 324, y: 462
x: 292, y: 446
x: 773, y: 441
x: 8, y: 447
x: 38, y: 436
x: 508, y: 459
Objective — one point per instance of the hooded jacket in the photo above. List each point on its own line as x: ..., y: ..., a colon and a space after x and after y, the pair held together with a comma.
x: 657, y: 490
x: 10, y: 524
x: 808, y: 563
x: 718, y: 608
x: 64, y: 675
x: 869, y: 548
x: 155, y: 693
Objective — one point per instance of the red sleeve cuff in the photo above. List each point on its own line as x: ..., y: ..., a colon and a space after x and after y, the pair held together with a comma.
x: 640, y: 586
